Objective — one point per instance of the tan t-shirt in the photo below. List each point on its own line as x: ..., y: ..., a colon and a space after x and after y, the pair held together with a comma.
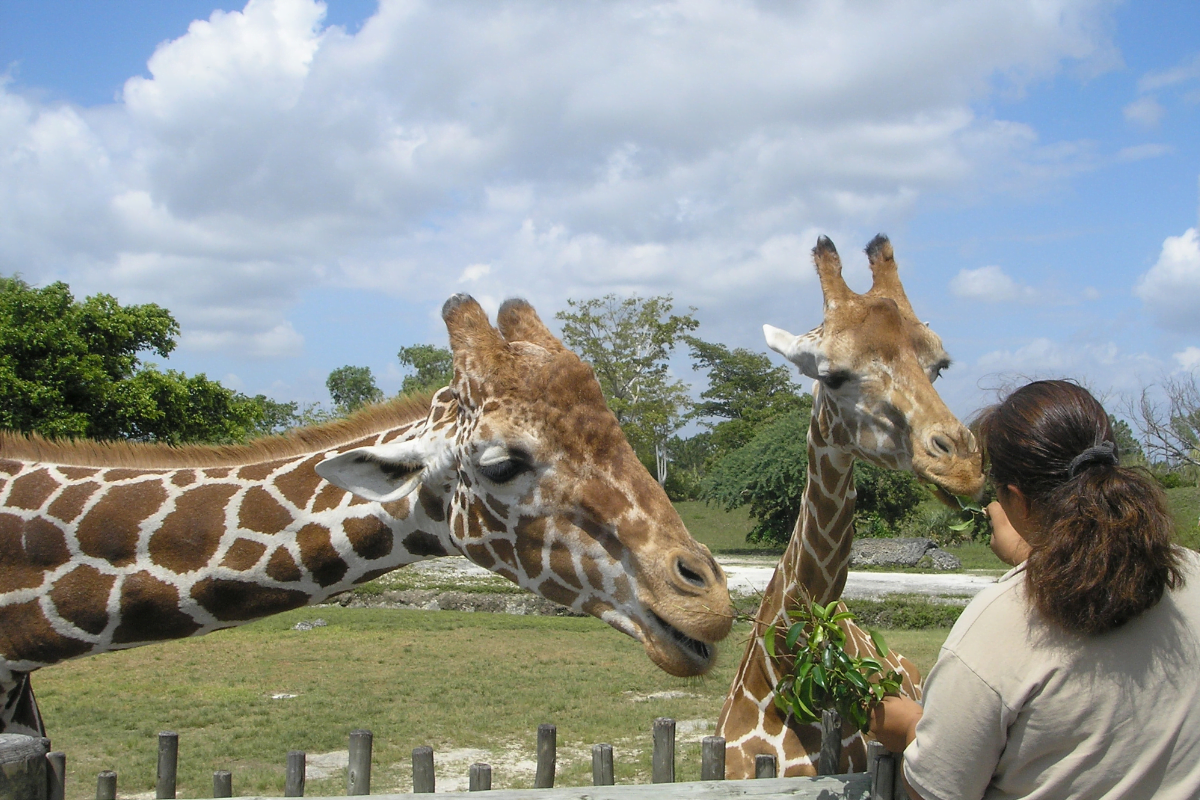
x: 1015, y: 707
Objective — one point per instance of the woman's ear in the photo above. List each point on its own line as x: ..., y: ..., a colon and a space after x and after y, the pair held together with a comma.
x: 1018, y: 509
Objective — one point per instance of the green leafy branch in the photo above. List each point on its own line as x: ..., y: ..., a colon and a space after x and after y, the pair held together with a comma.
x: 824, y: 676
x: 971, y: 512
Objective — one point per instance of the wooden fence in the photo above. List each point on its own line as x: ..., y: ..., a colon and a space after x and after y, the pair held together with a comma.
x: 29, y: 772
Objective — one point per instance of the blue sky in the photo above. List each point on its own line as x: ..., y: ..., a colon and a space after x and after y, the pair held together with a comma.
x: 303, y: 184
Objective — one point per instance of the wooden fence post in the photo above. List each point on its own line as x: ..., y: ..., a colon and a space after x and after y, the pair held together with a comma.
x: 168, y: 764
x: 830, y: 760
x: 480, y: 778
x: 358, y: 771
x: 882, y: 768
x: 57, y: 774
x: 765, y: 766
x: 293, y: 776
x: 712, y: 758
x: 106, y: 785
x: 222, y: 783
x: 547, y: 756
x: 602, y: 765
x: 422, y: 764
x: 662, y: 763
x: 23, y: 766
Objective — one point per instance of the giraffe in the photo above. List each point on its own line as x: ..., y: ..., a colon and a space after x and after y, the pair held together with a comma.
x: 518, y: 465
x: 874, y: 365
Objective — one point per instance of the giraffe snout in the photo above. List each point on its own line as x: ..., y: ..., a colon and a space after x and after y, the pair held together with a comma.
x: 950, y: 458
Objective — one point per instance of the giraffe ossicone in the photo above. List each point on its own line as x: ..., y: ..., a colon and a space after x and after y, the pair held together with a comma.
x: 518, y: 465
x: 874, y: 363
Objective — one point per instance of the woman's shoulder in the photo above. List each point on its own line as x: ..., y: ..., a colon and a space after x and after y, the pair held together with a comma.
x: 993, y: 619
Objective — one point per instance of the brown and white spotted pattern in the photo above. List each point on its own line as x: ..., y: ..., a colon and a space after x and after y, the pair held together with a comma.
x: 874, y: 364
x: 518, y: 465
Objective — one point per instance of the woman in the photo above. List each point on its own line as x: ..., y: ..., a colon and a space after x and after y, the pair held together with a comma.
x: 1078, y: 674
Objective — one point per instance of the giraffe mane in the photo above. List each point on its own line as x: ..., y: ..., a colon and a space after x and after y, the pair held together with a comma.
x: 296, y: 442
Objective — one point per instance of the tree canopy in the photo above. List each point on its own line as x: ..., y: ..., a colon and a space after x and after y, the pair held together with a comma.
x: 744, y: 390
x: 352, y: 388
x: 73, y: 369
x: 628, y: 342
x: 433, y: 368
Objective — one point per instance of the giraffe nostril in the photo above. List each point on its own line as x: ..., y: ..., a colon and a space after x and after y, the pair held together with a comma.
x: 941, y: 445
x: 689, y: 575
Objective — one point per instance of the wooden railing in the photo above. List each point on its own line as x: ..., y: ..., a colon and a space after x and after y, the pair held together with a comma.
x: 29, y: 772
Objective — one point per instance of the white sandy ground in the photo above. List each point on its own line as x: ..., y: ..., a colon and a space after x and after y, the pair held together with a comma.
x: 750, y: 574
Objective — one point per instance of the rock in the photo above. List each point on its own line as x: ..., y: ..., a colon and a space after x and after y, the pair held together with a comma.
x: 943, y: 560
x: 903, y: 552
x: 307, y: 625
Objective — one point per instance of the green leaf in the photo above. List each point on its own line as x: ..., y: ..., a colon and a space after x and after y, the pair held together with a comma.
x: 769, y: 640
x: 880, y: 643
x: 793, y: 635
x: 818, y: 675
x: 841, y: 615
x: 831, y: 609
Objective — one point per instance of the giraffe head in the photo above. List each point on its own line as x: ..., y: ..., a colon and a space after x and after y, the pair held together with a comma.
x: 539, y: 485
x: 875, y: 363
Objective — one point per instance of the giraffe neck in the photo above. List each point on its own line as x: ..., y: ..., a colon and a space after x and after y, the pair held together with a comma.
x: 99, y: 558
x: 814, y: 565
x: 818, y: 555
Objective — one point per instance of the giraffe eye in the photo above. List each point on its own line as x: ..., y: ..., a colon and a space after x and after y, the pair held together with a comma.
x: 835, y: 379
x: 503, y: 471
x: 503, y: 464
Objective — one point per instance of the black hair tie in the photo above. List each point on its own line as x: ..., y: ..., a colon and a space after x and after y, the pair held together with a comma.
x: 1103, y: 453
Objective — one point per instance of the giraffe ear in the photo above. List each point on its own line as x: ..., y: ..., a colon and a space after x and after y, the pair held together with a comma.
x: 382, y: 473
x: 800, y: 350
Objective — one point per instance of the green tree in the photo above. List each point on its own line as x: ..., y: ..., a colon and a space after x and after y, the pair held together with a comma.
x: 72, y: 369
x: 689, y: 459
x: 768, y: 474
x: 628, y: 341
x: 352, y: 388
x: 1129, y: 448
x: 275, y: 417
x: 886, y: 498
x: 744, y: 390
x: 433, y: 368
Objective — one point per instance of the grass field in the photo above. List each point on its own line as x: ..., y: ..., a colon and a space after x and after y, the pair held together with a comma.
x: 474, y: 686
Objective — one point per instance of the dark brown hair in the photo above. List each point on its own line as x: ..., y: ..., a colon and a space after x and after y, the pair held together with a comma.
x: 1103, y: 551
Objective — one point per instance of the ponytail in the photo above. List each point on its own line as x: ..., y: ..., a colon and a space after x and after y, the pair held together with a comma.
x: 1103, y: 551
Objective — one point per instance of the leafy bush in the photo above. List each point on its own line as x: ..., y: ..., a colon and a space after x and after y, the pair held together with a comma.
x: 768, y: 474
x: 904, y: 611
x: 1169, y: 480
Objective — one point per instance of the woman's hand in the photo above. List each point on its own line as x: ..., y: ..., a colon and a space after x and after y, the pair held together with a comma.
x: 894, y: 722
x: 1007, y: 544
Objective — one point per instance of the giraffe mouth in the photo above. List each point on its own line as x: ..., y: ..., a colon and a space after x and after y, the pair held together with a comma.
x: 700, y: 654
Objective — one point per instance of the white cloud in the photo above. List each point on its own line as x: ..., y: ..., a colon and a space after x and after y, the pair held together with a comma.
x: 1104, y: 366
x: 1145, y: 111
x: 667, y: 147
x: 474, y: 272
x: 1186, y: 70
x: 1188, y: 359
x: 1171, y: 288
x: 1141, y: 152
x: 990, y: 284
